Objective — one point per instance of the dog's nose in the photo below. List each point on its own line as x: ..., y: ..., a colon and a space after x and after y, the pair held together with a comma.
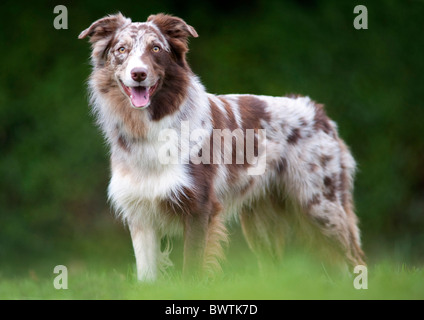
x: 139, y: 74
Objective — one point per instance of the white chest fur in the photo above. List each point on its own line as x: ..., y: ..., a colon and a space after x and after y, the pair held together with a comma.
x: 136, y: 192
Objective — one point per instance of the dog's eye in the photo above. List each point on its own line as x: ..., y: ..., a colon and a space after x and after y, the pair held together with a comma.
x: 156, y: 49
x: 122, y: 50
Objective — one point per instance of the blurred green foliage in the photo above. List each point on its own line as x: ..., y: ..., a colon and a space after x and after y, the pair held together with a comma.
x: 54, y: 164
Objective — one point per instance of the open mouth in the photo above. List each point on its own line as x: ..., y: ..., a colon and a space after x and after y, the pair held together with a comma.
x: 139, y: 96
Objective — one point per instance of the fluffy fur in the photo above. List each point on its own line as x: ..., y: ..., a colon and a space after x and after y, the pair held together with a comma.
x: 141, y: 86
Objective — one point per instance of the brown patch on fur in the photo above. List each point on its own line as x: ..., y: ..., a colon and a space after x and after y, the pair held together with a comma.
x: 180, y: 203
x: 294, y: 95
x: 330, y: 189
x: 252, y: 111
x: 321, y: 121
x: 203, y: 177
x: 281, y: 165
x: 303, y: 122
x: 197, y: 200
x: 110, y: 45
x: 322, y: 220
x: 324, y: 160
x: 172, y: 92
x: 231, y: 120
x: 123, y: 143
x: 294, y: 136
x: 219, y: 121
x: 313, y: 167
x: 316, y: 200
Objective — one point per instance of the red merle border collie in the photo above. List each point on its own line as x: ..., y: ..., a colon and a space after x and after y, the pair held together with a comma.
x: 141, y: 86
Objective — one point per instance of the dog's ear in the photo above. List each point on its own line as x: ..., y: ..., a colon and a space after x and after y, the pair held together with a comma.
x: 172, y: 26
x: 177, y: 32
x: 101, y: 33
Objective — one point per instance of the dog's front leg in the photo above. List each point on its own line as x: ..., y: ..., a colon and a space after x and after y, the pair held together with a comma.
x: 146, y: 243
x: 195, y: 232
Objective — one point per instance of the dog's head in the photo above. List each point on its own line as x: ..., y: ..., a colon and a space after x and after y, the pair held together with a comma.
x: 146, y: 61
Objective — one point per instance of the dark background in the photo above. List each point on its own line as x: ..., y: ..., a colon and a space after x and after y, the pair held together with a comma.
x: 54, y: 165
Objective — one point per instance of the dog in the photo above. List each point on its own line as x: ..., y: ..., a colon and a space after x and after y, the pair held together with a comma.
x: 141, y: 87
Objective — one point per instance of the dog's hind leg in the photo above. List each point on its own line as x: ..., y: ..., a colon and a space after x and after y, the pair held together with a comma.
x: 217, y: 236
x: 327, y: 205
x: 338, y: 231
x: 195, y: 233
x: 265, y: 229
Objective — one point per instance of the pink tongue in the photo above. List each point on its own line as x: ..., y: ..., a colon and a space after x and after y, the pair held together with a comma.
x: 139, y: 96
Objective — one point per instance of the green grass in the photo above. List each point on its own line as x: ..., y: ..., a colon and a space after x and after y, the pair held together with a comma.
x: 297, y: 278
x: 101, y: 265
x: 385, y: 282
